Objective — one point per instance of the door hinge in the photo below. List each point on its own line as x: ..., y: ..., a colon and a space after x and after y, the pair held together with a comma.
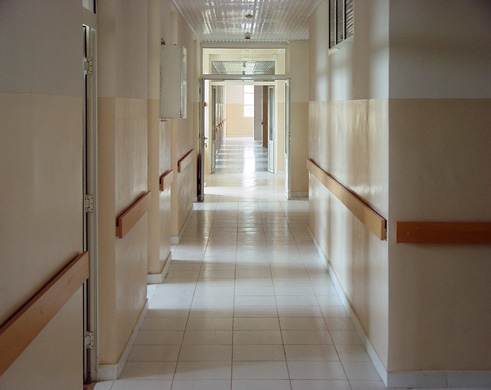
x: 89, y: 65
x: 89, y: 203
x: 89, y: 340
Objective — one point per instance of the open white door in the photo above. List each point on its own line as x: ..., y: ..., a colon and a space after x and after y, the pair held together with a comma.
x: 202, y: 142
x: 271, y: 129
x: 213, y: 128
x: 288, y: 180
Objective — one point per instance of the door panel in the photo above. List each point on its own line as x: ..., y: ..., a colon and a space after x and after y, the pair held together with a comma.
x: 287, y: 142
x: 214, y: 124
x: 271, y: 130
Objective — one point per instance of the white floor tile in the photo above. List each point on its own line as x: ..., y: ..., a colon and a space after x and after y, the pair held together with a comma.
x: 296, y: 311
x: 370, y: 385
x: 260, y: 370
x: 304, y: 323
x: 154, y: 353
x: 254, y: 300
x: 316, y: 370
x: 133, y: 384
x: 345, y: 337
x: 149, y: 370
x: 256, y: 312
x: 201, y: 385
x: 203, y: 370
x: 209, y: 323
x: 261, y: 385
x: 339, y: 323
x: 253, y: 353
x: 206, y: 353
x: 320, y: 385
x: 311, y: 353
x: 164, y: 323
x: 256, y: 324
x: 361, y: 371
x: 207, y: 337
x: 257, y: 337
x: 352, y: 353
x: 299, y: 337
x: 151, y: 337
x: 106, y: 385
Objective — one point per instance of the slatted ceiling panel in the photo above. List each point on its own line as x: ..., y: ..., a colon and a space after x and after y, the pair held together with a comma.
x: 243, y: 67
x: 225, y: 20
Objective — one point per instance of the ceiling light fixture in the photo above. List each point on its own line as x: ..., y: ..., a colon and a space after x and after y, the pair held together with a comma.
x: 247, y: 36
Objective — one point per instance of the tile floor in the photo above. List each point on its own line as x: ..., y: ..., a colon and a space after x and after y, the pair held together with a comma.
x: 248, y: 303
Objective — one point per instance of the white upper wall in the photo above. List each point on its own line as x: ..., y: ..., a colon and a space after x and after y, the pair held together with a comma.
x: 360, y: 68
x: 299, y: 75
x: 234, y: 94
x: 27, y: 63
x: 440, y: 49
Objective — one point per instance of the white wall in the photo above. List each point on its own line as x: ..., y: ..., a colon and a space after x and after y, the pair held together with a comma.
x: 348, y: 138
x: 439, y: 158
x: 41, y: 97
x: 237, y: 123
x: 258, y: 113
x: 440, y: 49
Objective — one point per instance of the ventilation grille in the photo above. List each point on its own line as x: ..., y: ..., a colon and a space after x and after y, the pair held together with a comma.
x: 243, y: 67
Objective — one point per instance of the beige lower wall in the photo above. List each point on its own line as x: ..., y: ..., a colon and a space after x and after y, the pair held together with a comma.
x: 165, y: 197
x: 154, y: 261
x: 299, y: 146
x: 41, y: 228
x: 439, y: 294
x: 54, y: 359
x: 349, y: 139
x: 237, y: 124
x: 159, y: 214
x: 122, y: 152
x: 280, y: 132
x: 186, y: 193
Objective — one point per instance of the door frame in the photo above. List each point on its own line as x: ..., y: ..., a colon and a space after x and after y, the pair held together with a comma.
x: 288, y: 176
x: 90, y: 238
x: 271, y: 129
x: 223, y: 78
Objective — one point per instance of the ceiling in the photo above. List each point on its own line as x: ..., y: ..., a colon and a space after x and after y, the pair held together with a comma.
x: 266, y: 20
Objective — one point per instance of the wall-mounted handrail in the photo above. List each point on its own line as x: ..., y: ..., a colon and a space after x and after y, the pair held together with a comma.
x: 360, y: 209
x: 186, y: 160
x: 166, y: 180
x: 25, y: 325
x: 443, y: 233
x: 132, y: 215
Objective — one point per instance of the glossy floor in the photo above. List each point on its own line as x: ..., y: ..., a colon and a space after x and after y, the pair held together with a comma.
x: 248, y: 303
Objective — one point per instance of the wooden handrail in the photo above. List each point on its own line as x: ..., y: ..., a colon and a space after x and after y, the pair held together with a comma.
x: 132, y: 215
x: 25, y: 325
x: 166, y: 180
x: 186, y: 160
x: 360, y: 209
x: 443, y: 233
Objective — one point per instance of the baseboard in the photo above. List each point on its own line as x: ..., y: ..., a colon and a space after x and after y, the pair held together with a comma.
x: 366, y: 342
x: 109, y: 372
x: 411, y: 379
x: 176, y: 240
x: 440, y: 379
x: 300, y: 194
x: 159, y: 278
